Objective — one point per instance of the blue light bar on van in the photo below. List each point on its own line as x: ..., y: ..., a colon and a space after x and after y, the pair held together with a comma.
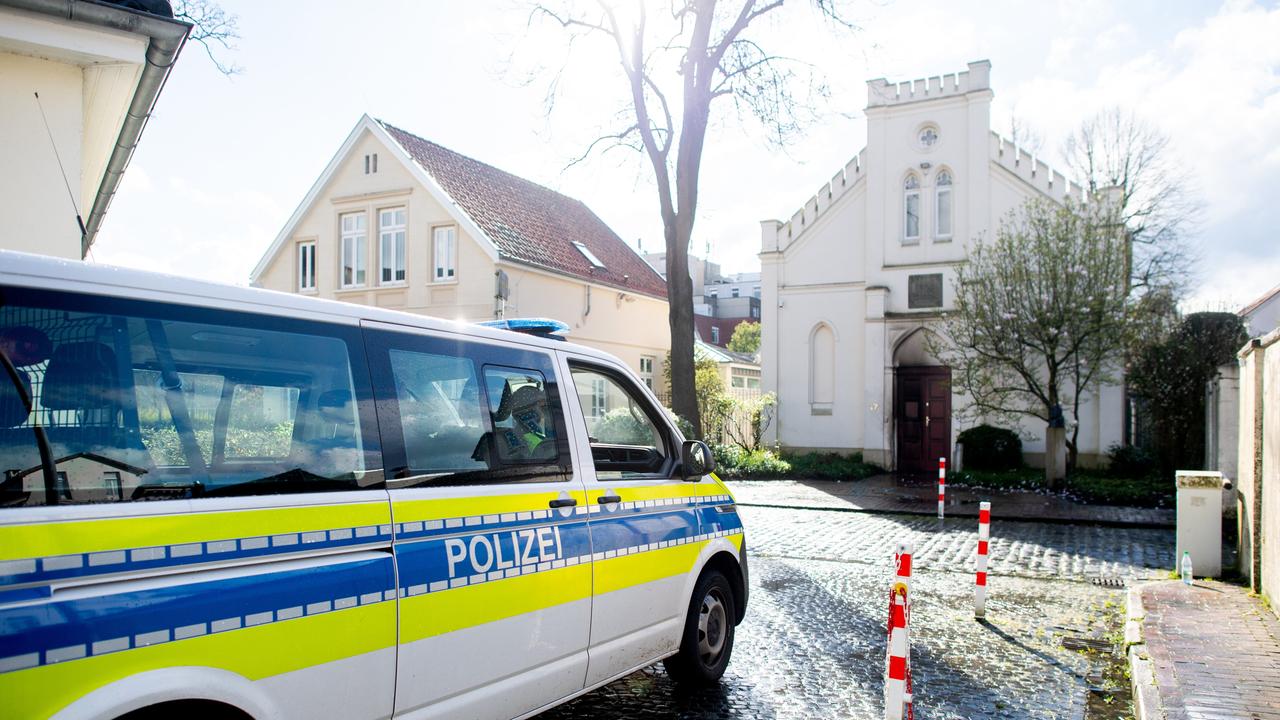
x: 542, y: 327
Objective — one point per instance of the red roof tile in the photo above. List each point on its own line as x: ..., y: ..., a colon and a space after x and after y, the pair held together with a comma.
x: 532, y: 224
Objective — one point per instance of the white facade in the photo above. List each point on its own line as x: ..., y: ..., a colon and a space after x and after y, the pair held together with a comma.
x: 1262, y: 315
x: 838, y: 322
x: 89, y: 73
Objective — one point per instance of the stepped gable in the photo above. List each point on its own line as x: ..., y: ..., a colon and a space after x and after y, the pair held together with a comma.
x: 532, y: 224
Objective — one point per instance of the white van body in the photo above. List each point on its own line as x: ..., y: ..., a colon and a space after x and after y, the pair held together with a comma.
x: 255, y: 504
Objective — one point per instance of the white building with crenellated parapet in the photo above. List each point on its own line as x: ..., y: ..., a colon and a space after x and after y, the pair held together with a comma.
x: 854, y: 281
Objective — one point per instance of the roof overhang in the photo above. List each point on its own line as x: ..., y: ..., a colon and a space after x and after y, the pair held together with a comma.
x: 82, y: 32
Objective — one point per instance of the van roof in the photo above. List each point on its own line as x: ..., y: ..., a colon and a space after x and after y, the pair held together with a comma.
x: 35, y: 271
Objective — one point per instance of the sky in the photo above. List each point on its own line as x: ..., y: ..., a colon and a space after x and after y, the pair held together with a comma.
x: 224, y: 161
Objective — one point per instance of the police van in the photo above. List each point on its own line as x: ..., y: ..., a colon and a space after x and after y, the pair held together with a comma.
x: 232, y: 503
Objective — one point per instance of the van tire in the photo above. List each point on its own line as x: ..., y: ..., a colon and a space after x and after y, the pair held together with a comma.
x: 707, y: 641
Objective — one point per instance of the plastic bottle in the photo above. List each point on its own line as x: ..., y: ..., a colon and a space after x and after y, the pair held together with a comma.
x: 1186, y: 567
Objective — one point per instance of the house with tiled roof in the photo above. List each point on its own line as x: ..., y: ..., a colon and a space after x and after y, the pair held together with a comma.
x: 398, y: 221
x: 1263, y: 314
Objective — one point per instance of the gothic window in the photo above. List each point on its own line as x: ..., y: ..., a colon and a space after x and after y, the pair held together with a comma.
x: 942, y: 205
x: 911, y: 209
x: 928, y: 137
x: 822, y: 367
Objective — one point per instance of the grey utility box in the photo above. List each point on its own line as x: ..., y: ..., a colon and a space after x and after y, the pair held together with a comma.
x: 1200, y: 521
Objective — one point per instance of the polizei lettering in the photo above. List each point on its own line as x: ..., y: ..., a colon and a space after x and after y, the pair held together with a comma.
x: 501, y: 550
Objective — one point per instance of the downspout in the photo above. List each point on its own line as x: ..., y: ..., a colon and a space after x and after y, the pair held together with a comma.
x: 167, y: 37
x: 1259, y: 353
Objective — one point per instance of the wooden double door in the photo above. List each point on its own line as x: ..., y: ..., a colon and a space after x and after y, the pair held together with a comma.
x: 922, y: 414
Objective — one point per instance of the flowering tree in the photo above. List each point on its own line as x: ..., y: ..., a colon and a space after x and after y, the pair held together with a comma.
x: 1040, y: 313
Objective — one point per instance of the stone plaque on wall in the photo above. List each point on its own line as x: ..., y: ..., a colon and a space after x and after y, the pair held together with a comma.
x: 924, y: 291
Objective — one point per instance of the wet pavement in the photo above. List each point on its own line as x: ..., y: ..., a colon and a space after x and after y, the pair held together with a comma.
x: 813, y: 643
x: 918, y: 495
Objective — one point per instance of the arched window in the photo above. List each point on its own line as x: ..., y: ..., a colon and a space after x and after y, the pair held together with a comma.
x: 822, y: 367
x: 942, y: 204
x: 911, y: 208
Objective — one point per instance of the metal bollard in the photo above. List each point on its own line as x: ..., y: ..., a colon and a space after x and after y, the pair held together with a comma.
x: 984, y: 538
x: 897, y: 685
x: 942, y: 485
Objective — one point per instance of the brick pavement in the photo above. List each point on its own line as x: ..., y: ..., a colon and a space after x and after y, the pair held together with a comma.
x: 896, y: 495
x: 1216, y: 651
x: 813, y: 643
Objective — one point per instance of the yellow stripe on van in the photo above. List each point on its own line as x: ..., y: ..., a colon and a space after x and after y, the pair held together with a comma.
x: 82, y: 536
x: 443, y: 508
x: 253, y: 653
x: 618, y: 573
x: 423, y: 616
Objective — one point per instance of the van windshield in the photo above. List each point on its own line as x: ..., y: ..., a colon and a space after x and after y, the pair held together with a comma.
x: 138, y: 407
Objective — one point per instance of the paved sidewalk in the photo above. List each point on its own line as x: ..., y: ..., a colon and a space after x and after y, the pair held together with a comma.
x: 1216, y: 651
x: 906, y: 496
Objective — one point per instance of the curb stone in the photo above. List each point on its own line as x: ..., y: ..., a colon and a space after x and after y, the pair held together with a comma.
x: 1146, y: 696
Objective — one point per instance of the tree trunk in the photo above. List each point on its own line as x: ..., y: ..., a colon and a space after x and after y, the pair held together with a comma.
x: 684, y: 398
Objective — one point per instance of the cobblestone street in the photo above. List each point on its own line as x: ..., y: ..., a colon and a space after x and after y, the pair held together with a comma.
x: 813, y: 642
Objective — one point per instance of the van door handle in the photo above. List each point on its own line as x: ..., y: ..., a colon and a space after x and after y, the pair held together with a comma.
x: 563, y: 502
x: 609, y: 499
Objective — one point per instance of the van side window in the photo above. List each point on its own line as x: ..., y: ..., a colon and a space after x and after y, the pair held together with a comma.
x: 142, y: 401
x: 440, y: 412
x: 456, y: 412
x: 522, y: 426
x: 626, y: 441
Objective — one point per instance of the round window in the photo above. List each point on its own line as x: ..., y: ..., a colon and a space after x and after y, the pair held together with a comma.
x: 928, y: 137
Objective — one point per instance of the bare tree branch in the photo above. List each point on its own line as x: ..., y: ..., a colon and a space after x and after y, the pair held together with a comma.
x: 211, y: 26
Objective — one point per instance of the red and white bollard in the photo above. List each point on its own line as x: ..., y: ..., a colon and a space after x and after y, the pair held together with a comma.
x: 984, y: 538
x: 942, y: 485
x: 897, y: 684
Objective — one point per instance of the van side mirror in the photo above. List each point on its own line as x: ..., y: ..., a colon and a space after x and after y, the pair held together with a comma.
x: 696, y: 460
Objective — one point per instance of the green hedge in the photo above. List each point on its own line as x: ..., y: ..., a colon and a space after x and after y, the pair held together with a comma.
x: 987, y: 447
x: 734, y: 462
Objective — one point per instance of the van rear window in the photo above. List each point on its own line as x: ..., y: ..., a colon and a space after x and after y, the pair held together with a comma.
x: 139, y: 401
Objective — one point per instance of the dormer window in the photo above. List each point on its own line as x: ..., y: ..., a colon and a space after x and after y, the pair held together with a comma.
x: 911, y: 209
x: 590, y: 256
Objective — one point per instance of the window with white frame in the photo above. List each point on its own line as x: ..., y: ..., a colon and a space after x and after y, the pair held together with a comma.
x: 736, y: 291
x: 355, y: 249
x: 446, y: 252
x: 646, y: 370
x: 715, y: 335
x: 306, y: 266
x: 942, y: 206
x: 599, y: 397
x: 911, y: 208
x: 391, y: 245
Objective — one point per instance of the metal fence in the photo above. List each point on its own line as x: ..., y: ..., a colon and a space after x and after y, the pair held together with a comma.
x: 738, y: 424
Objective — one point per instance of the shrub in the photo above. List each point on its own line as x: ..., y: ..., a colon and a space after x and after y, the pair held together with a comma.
x: 1128, y: 461
x: 1101, y: 489
x: 987, y: 447
x: 619, y: 426
x: 831, y: 466
x: 734, y: 462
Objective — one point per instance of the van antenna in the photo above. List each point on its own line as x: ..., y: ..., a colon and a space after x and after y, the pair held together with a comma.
x: 54, y: 145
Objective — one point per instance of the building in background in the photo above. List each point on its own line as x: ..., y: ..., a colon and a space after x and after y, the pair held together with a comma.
x: 720, y: 302
x: 857, y: 279
x: 400, y: 222
x: 1262, y: 315
x: 98, y: 69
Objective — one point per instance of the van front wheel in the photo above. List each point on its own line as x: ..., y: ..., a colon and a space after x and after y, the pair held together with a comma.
x: 707, y: 642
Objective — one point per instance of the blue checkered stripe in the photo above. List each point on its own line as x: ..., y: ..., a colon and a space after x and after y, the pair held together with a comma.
x: 59, y: 567
x: 45, y: 633
x: 615, y: 530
